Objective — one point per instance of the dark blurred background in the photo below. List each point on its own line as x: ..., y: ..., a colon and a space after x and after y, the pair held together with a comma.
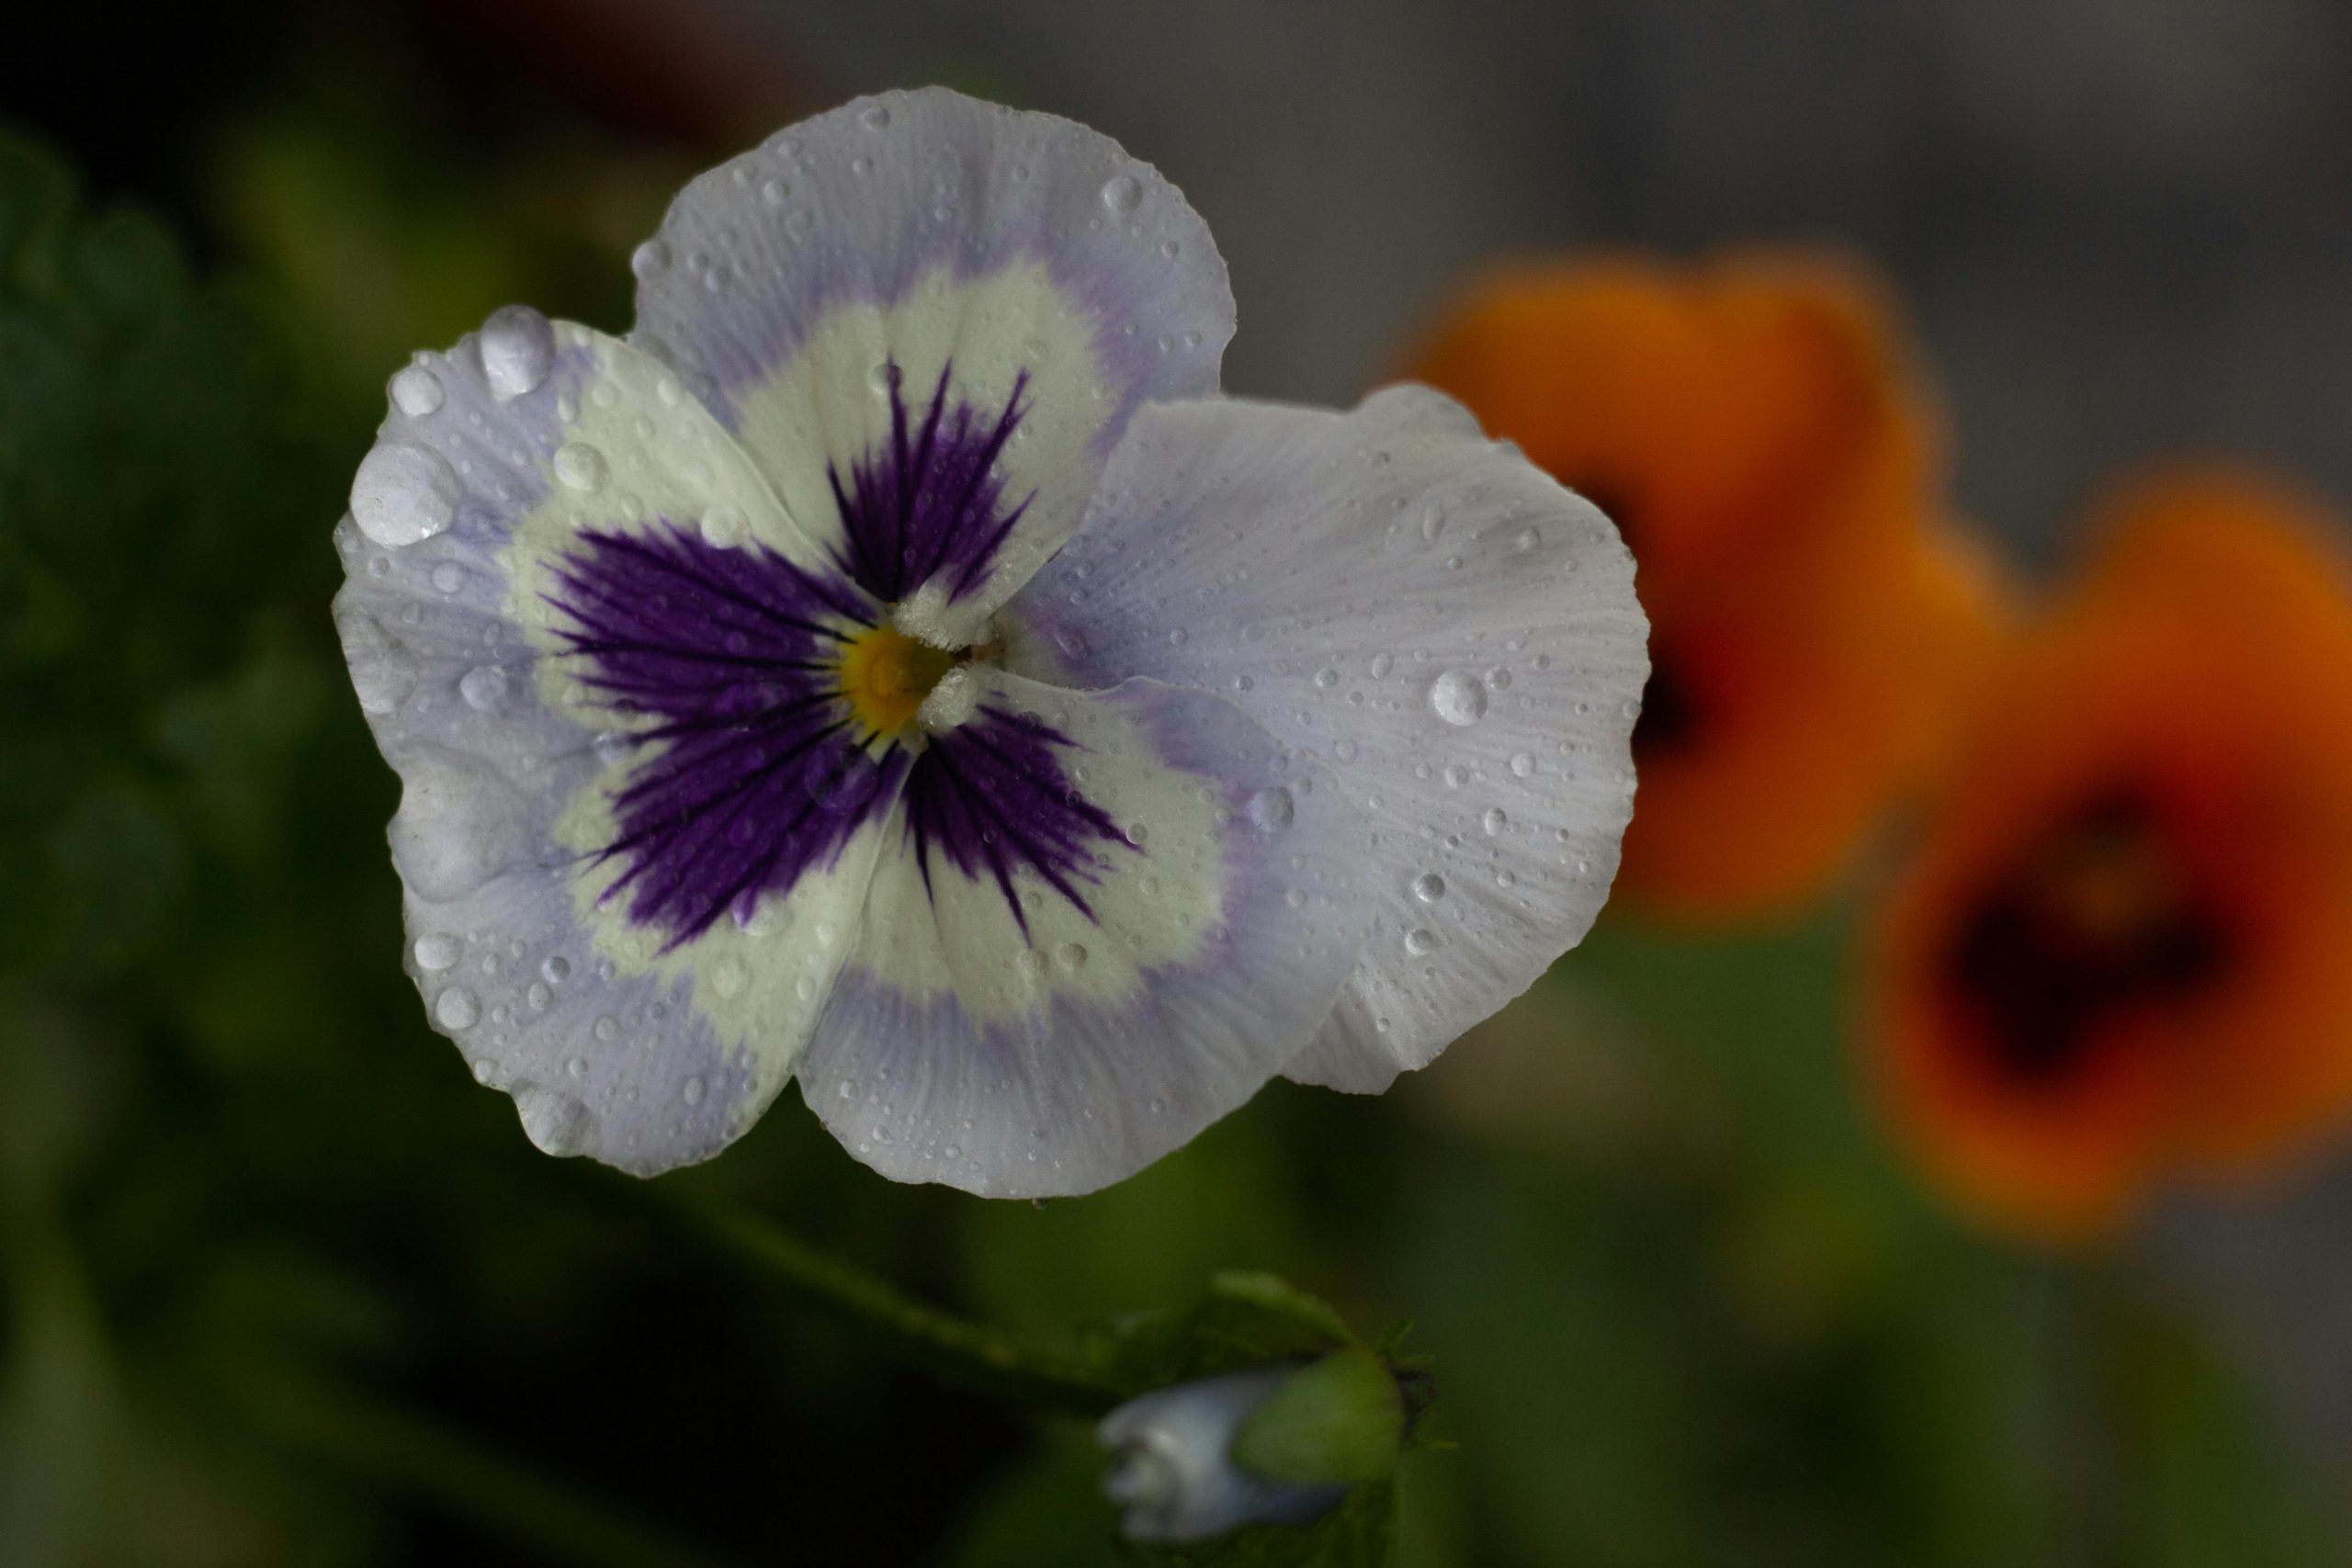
x: 284, y: 1287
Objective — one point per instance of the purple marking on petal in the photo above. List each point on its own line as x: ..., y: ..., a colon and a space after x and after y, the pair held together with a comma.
x: 756, y: 773
x: 991, y: 796
x: 928, y: 500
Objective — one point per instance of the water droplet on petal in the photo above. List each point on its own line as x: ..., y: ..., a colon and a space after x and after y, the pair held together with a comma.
x: 581, y: 465
x: 650, y: 259
x: 1457, y: 697
x: 455, y: 1009
x: 484, y: 688
x: 722, y: 526
x: 1270, y: 809
x: 1428, y: 887
x: 416, y: 391
x: 1420, y: 941
x: 1495, y: 821
x: 1070, y: 957
x: 691, y: 1091
x: 556, y: 1123
x: 517, y: 350
x: 1522, y: 765
x: 438, y: 950
x: 1120, y: 193
x: 404, y: 493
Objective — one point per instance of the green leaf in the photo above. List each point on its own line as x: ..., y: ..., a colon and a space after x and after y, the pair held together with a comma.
x: 1338, y: 1419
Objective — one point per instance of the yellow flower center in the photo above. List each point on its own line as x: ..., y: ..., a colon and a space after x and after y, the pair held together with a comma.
x: 885, y: 674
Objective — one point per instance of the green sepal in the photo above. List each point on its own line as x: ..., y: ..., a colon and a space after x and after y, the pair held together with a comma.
x: 1338, y: 1419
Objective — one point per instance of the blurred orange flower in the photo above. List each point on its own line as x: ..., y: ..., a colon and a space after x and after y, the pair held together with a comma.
x: 1756, y: 429
x: 2126, y: 942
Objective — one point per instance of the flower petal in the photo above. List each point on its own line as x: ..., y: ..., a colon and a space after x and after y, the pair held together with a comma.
x: 1452, y: 632
x: 1101, y: 921
x: 563, y: 622
x: 929, y: 318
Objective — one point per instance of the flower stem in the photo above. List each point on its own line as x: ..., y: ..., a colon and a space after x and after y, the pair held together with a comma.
x: 974, y: 1356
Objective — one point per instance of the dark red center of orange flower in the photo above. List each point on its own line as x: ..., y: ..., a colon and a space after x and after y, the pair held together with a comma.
x: 2097, y: 922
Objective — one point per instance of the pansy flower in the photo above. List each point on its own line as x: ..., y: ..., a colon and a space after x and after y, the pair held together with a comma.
x: 1757, y: 432
x: 891, y: 666
x: 2121, y: 950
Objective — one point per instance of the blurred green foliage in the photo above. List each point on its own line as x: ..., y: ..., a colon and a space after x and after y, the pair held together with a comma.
x: 282, y: 1286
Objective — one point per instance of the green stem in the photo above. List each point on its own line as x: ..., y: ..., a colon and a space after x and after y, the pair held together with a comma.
x: 956, y: 1349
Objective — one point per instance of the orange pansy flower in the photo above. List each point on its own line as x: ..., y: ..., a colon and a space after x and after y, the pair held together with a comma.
x: 1757, y: 431
x: 2125, y: 943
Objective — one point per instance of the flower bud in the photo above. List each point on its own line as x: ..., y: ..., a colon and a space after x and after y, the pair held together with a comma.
x: 1275, y: 1445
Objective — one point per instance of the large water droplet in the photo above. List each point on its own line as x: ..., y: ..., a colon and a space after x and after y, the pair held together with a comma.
x: 1458, y: 697
x: 722, y: 525
x: 1270, y: 809
x: 1120, y: 193
x: 416, y: 391
x: 1420, y: 941
x: 650, y: 259
x: 404, y: 493
x: 691, y: 1091
x: 438, y: 950
x: 455, y: 1009
x: 1428, y: 887
x: 556, y: 1122
x: 484, y: 688
x: 517, y: 350
x: 460, y: 824
x: 382, y: 673
x: 581, y: 465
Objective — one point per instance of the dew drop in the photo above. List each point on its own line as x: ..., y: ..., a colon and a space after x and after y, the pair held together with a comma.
x: 484, y: 688
x: 1522, y: 765
x: 416, y: 391
x: 404, y: 493
x: 581, y: 465
x: 1069, y: 957
x: 722, y: 526
x: 1121, y: 193
x: 1382, y: 664
x: 729, y: 978
x: 455, y: 1009
x: 517, y: 351
x: 691, y: 1091
x: 876, y: 119
x: 1457, y: 697
x: 557, y: 969
x: 1419, y: 939
x: 1270, y: 809
x: 437, y: 951
x: 607, y: 1029
x: 448, y: 577
x: 1495, y: 821
x: 1428, y: 887
x: 556, y: 1124
x: 650, y: 259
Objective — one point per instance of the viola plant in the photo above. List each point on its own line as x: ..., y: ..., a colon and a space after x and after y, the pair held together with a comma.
x: 1757, y: 428
x: 2116, y: 953
x: 892, y: 666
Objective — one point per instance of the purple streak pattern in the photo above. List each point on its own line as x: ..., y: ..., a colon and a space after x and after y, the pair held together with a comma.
x: 991, y: 796
x: 757, y: 770
x: 929, y: 501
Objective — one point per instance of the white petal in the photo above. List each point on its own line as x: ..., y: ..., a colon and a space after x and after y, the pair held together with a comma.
x: 1061, y: 1049
x: 1450, y: 632
x: 914, y: 236
x: 614, y: 1040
